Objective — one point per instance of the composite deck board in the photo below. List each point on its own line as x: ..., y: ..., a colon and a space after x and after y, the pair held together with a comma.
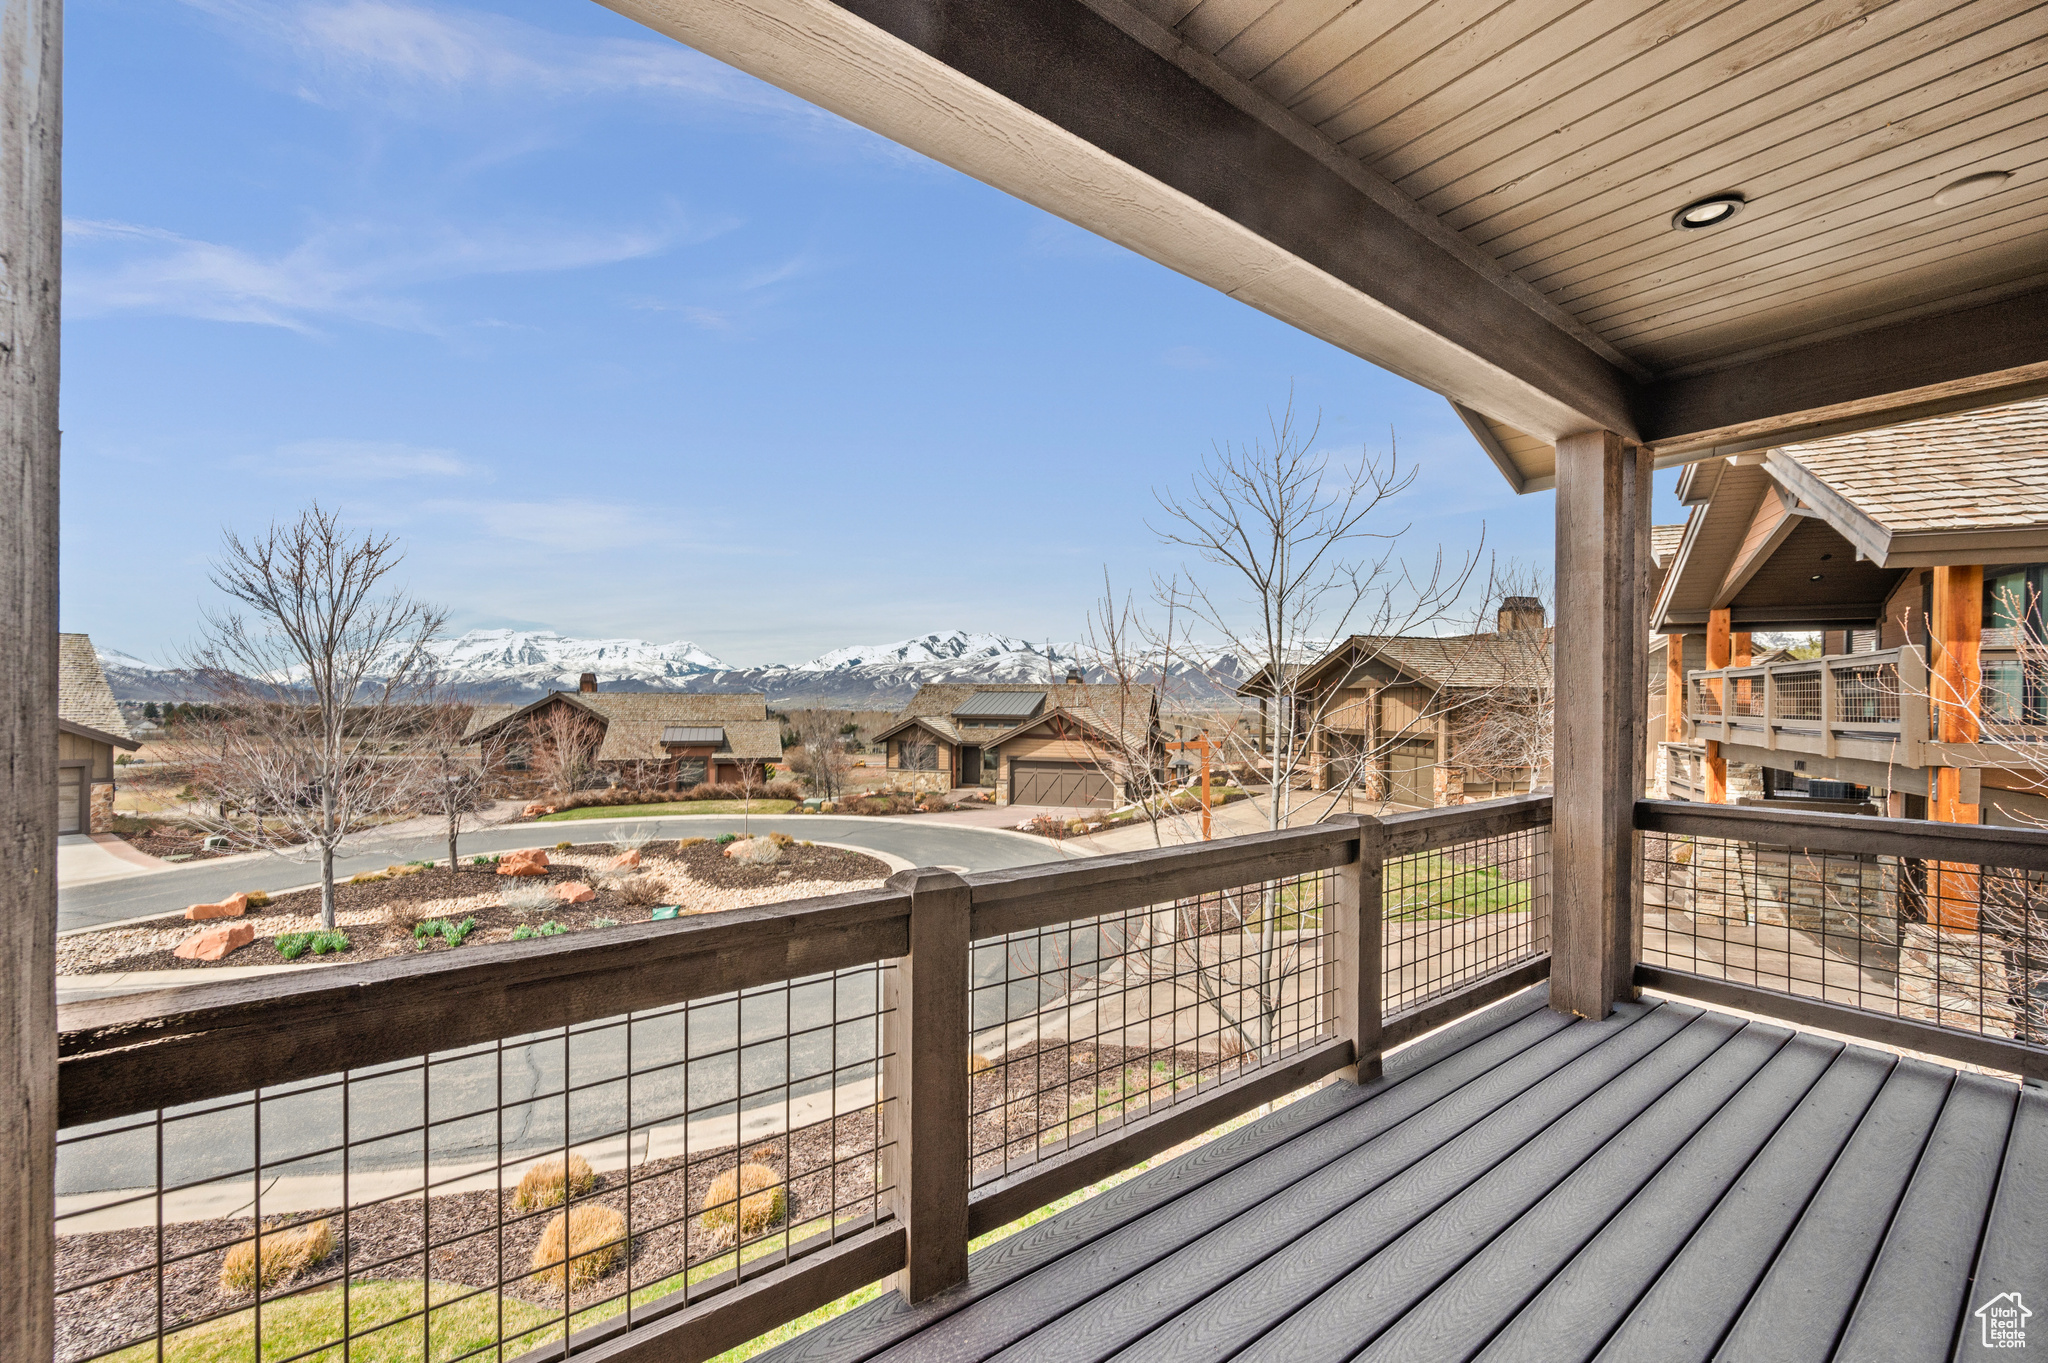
x: 1797, y: 1313
x: 1308, y: 1258
x: 1456, y: 1320
x: 1385, y: 1287
x: 1913, y: 1301
x: 1473, y: 1043
x: 985, y: 1328
x: 1231, y: 1245
x: 1667, y: 1183
x: 2015, y: 1248
x: 1696, y: 1299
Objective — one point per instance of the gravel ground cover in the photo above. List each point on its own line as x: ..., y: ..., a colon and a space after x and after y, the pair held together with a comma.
x: 379, y: 917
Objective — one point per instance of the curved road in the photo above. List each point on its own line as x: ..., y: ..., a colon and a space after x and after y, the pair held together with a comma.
x: 920, y: 843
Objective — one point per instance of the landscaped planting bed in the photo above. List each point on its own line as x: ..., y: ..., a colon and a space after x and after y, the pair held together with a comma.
x: 396, y: 916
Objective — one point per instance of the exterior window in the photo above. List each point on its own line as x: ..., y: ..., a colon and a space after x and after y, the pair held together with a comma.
x: 517, y: 759
x: 2015, y: 599
x: 691, y: 771
x: 918, y: 755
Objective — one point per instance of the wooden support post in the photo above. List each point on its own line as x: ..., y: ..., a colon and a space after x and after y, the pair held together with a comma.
x: 1603, y: 556
x: 925, y: 1083
x: 1361, y: 934
x: 1957, y: 631
x: 1676, y: 702
x: 31, y: 125
x: 1716, y: 765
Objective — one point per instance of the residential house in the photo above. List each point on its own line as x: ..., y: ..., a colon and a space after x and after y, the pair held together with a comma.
x: 1065, y: 744
x: 89, y: 728
x: 1421, y: 720
x: 654, y: 739
x: 1914, y: 552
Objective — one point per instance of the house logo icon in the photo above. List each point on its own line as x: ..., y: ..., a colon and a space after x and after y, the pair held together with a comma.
x: 2005, y: 1321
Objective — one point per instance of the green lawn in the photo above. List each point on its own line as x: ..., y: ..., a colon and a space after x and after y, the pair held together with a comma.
x: 678, y: 807
x: 1429, y: 886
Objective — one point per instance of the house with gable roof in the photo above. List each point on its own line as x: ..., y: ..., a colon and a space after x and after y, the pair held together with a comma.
x: 1057, y: 743
x: 89, y: 728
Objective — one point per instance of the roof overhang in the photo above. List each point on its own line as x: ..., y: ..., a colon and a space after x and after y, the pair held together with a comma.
x: 86, y: 731
x: 1097, y: 112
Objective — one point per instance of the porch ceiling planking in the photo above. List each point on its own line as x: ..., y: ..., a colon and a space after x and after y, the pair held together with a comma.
x: 1480, y: 199
x: 1669, y: 1181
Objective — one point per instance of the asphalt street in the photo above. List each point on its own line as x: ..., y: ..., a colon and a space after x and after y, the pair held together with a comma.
x: 921, y: 844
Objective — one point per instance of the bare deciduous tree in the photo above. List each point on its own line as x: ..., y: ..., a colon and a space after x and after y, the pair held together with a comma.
x: 316, y: 690
x: 822, y: 750
x: 563, y: 740
x: 457, y: 776
x: 1301, y: 561
x: 1504, y: 728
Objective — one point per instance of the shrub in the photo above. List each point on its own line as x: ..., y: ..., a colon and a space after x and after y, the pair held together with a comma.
x: 526, y: 931
x: 284, y: 1254
x: 406, y: 915
x: 783, y: 840
x: 626, y: 838
x: 451, y: 933
x: 604, y: 922
x: 529, y: 898
x: 690, y: 842
x: 726, y: 839
x: 564, y: 846
x: 325, y: 942
x: 750, y: 1195
x: 639, y: 891
x: 483, y: 861
x: 592, y: 1239
x: 292, y: 945
x: 368, y: 877
x: 258, y: 900
x: 541, y: 1185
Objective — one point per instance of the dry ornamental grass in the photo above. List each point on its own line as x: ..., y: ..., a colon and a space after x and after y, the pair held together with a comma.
x: 284, y: 1254
x: 541, y: 1186
x: 593, y: 1239
x: 757, y: 1210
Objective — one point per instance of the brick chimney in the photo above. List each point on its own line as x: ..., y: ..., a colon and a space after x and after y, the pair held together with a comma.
x: 1073, y: 676
x: 587, y: 683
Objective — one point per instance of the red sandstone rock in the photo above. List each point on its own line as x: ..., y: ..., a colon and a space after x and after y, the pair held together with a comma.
x: 234, y: 906
x: 574, y: 892
x: 215, y: 943
x: 626, y: 859
x: 536, y: 810
x: 530, y: 861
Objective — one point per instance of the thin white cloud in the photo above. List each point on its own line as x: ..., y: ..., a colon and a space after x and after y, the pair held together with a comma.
x: 566, y: 524
x: 364, y: 461
x: 357, y: 273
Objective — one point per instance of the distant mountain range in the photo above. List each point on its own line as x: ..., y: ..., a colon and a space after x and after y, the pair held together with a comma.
x: 522, y: 665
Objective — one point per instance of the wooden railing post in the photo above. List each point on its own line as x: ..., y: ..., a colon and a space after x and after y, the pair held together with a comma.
x: 1360, y: 941
x: 925, y: 1083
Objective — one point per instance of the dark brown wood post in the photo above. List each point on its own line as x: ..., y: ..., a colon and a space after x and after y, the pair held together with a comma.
x: 1360, y: 936
x: 925, y: 1083
x: 31, y: 50
x: 1603, y: 554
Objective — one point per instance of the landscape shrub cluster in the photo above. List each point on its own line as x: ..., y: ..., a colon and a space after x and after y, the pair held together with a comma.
x: 657, y: 795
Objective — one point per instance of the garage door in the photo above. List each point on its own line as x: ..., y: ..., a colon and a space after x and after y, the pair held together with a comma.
x: 1059, y: 783
x: 69, y: 781
x: 1411, y: 774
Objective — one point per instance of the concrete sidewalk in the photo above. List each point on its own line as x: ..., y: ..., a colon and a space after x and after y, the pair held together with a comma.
x: 83, y: 858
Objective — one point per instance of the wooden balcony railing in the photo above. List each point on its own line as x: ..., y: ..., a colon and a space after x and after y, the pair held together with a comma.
x: 901, y: 1069
x: 1867, y: 706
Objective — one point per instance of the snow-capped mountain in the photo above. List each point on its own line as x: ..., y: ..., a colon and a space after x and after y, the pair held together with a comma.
x: 521, y: 665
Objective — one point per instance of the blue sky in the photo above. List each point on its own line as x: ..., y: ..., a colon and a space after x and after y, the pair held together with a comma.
x: 620, y: 341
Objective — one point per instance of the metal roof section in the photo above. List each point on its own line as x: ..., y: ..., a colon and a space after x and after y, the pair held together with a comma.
x: 693, y: 735
x: 1000, y: 705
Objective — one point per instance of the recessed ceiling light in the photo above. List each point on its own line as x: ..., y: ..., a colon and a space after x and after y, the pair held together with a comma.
x: 1972, y: 187
x: 1814, y: 578
x: 1708, y: 212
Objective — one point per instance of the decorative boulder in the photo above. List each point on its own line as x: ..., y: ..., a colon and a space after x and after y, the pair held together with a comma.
x: 533, y: 811
x: 627, y: 859
x: 234, y: 906
x: 215, y: 943
x: 574, y: 892
x: 754, y: 851
x: 530, y: 862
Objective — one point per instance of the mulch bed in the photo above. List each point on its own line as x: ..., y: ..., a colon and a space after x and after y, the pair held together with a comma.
x: 163, y: 842
x: 1055, y: 1091
x: 400, y: 902
x: 827, y: 1169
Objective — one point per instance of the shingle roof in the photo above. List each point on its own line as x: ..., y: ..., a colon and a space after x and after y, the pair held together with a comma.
x: 1456, y: 660
x: 1970, y: 471
x: 83, y: 696
x: 1664, y: 542
x: 935, y: 703
x: 634, y: 721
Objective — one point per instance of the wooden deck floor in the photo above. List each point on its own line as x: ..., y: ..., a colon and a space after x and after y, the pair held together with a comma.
x: 1667, y: 1184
